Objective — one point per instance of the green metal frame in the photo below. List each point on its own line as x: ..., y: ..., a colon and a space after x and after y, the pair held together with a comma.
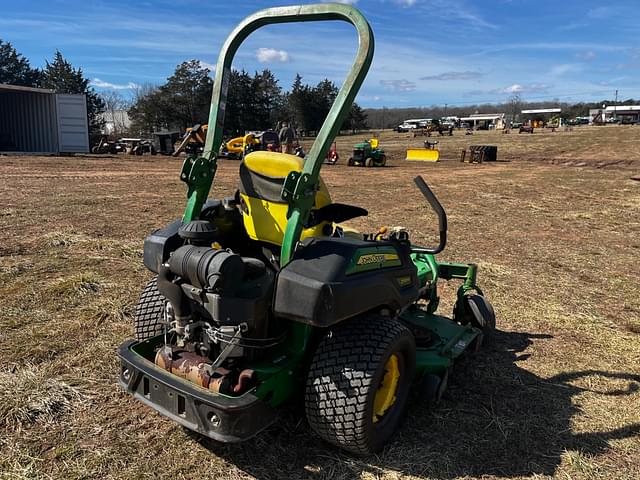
x: 279, y: 377
x: 300, y: 187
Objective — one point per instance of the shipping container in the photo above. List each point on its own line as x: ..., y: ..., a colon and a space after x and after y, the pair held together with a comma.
x: 37, y: 120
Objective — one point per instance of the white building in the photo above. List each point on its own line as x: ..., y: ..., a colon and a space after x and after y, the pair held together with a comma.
x: 115, y: 122
x: 485, y: 120
x: 624, y: 113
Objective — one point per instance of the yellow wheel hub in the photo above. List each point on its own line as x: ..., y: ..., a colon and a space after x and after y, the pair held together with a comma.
x: 386, y: 394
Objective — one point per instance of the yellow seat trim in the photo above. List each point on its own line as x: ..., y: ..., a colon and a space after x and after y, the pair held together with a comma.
x: 265, y: 220
x: 273, y: 164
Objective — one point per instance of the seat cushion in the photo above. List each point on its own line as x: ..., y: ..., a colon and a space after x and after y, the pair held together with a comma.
x: 264, y: 213
x: 273, y: 164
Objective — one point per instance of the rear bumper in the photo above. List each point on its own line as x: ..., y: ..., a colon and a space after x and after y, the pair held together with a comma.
x: 222, y: 418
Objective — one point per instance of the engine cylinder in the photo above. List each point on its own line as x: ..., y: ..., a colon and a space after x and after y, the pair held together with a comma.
x: 208, y: 268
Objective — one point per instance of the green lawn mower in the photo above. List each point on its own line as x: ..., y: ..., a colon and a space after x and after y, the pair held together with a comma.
x: 367, y: 154
x: 265, y: 299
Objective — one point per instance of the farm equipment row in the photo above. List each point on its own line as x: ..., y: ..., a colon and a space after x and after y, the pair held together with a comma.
x: 131, y: 146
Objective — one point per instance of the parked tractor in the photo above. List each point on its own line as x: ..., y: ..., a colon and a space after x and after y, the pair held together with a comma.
x: 367, y: 154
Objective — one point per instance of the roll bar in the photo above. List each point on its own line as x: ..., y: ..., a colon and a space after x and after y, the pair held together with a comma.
x: 299, y: 189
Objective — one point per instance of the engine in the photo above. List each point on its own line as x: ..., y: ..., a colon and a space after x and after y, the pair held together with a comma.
x: 217, y: 312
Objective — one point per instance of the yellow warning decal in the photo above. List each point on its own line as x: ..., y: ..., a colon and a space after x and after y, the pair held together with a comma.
x: 377, y: 258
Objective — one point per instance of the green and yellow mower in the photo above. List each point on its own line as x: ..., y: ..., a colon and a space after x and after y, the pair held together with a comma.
x: 367, y: 154
x: 265, y: 300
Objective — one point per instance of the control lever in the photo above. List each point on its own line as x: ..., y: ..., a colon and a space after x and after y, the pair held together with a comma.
x: 442, y: 217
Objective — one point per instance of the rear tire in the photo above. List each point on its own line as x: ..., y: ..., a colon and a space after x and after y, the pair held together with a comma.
x: 148, y: 317
x: 361, y: 368
x: 351, y: 162
x: 383, y: 160
x: 368, y: 162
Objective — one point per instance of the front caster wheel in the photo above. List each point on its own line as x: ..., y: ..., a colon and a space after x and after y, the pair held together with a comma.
x: 477, y: 311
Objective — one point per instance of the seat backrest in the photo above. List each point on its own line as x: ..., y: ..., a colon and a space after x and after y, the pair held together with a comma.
x: 264, y: 213
x: 373, y: 142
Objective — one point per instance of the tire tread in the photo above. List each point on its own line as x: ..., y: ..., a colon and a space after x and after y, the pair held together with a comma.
x: 147, y: 318
x: 341, y: 376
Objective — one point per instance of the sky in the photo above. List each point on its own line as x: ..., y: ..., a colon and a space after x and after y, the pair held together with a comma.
x: 428, y: 52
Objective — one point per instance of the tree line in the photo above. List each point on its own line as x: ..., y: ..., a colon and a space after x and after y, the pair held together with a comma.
x: 254, y: 102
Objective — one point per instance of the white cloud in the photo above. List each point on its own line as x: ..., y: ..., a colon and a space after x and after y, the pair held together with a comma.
x: 406, y: 3
x: 600, y: 12
x: 348, y: 2
x: 634, y: 59
x: 401, y: 85
x: 271, y: 55
x: 519, y: 88
x: 96, y: 82
x: 466, y: 75
x: 563, y: 68
x: 588, y: 55
x: 208, y: 65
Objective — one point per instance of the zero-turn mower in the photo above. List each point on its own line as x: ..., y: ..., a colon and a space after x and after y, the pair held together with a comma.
x: 367, y: 154
x: 263, y: 299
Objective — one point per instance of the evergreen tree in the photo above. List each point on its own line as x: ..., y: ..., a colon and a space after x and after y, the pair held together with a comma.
x: 322, y: 97
x: 61, y: 77
x: 15, y: 69
x: 239, y: 116
x: 187, y: 95
x: 356, y: 120
x: 297, y: 103
x: 268, y: 105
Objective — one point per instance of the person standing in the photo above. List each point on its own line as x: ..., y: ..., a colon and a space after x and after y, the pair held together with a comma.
x: 286, y: 136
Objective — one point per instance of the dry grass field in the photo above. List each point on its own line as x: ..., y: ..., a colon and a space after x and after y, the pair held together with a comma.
x: 554, y: 227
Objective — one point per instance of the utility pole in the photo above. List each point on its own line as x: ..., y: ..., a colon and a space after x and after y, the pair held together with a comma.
x: 445, y: 110
x: 615, y: 108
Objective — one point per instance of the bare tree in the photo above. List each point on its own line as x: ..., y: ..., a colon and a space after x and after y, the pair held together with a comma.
x: 115, y: 112
x: 514, y: 104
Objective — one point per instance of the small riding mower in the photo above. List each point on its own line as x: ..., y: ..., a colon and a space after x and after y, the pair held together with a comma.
x: 367, y: 154
x: 264, y: 299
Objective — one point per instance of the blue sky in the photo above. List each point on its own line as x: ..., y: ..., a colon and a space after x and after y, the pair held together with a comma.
x: 427, y: 51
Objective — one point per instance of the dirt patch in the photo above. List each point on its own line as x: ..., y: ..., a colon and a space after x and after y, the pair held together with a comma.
x: 556, y: 395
